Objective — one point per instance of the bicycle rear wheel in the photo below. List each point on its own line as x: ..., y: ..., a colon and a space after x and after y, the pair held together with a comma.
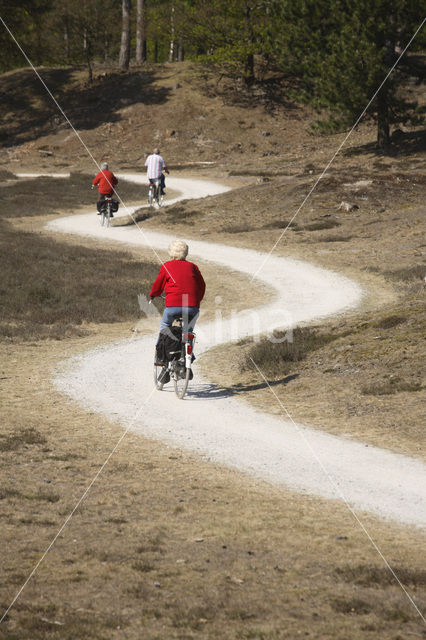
x: 181, y: 383
x: 108, y: 214
x: 157, y: 370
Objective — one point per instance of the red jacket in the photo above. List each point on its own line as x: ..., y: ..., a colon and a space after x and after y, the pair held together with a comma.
x: 106, y: 181
x: 182, y: 282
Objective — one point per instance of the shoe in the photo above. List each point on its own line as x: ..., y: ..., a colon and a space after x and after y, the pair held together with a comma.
x: 163, y: 193
x: 157, y: 363
x: 164, y: 376
x: 99, y: 213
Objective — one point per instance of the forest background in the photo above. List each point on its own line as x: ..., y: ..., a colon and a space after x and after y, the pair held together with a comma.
x: 334, y: 54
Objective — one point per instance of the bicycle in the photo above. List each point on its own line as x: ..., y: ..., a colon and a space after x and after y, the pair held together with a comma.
x: 107, y: 207
x: 178, y: 368
x: 154, y: 193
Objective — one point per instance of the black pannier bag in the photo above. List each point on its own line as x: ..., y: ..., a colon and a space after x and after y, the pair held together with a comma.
x: 114, y: 206
x: 169, y: 345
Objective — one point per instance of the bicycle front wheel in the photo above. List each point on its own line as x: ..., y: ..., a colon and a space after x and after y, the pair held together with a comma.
x: 181, y: 383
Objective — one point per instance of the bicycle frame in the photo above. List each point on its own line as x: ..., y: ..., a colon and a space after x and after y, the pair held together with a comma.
x: 154, y: 192
x: 179, y: 369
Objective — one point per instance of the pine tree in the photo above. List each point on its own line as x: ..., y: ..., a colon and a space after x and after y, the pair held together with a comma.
x: 343, y: 51
x: 124, y: 57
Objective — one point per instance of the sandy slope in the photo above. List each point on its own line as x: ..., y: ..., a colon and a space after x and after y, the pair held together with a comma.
x: 117, y: 381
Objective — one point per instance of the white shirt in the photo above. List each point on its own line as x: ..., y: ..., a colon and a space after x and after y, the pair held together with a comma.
x: 154, y: 166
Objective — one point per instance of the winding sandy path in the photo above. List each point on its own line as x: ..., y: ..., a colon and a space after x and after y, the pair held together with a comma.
x: 117, y: 382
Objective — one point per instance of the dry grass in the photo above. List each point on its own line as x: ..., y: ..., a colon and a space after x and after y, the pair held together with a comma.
x: 14, y: 441
x: 44, y: 195
x: 280, y: 356
x: 52, y: 290
x: 167, y: 545
x: 177, y: 548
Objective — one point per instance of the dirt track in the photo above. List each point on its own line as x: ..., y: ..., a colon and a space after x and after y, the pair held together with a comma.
x: 109, y: 380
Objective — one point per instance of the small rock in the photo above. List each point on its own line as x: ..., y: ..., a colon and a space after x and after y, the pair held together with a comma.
x: 341, y: 537
x: 347, y: 206
x: 262, y: 180
x: 157, y: 584
x: 265, y: 134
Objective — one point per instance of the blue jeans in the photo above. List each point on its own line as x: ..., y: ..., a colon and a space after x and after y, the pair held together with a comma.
x: 188, y: 314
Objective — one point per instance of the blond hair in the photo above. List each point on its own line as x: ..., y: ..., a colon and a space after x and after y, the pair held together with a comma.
x: 178, y: 250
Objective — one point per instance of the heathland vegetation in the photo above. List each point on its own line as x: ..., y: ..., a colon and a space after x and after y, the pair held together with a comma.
x: 165, y: 544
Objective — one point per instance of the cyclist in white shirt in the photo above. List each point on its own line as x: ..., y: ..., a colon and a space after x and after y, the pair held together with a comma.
x: 155, y: 166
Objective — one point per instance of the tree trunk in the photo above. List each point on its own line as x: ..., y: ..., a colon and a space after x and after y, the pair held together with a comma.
x: 181, y: 51
x: 249, y: 70
x: 155, y: 50
x: 87, y: 46
x: 249, y: 65
x: 106, y: 46
x: 67, y: 38
x: 172, y: 33
x: 140, y: 32
x: 383, y: 137
x: 124, y: 57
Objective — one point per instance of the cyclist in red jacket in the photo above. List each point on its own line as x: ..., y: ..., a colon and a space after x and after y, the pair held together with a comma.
x: 106, y: 182
x: 183, y: 285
